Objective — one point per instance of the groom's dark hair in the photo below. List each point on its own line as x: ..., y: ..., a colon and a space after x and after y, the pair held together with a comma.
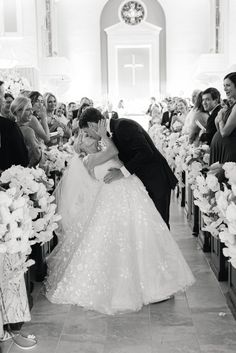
x: 91, y: 115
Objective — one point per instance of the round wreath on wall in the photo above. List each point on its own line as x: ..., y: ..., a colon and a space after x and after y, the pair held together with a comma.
x: 132, y: 12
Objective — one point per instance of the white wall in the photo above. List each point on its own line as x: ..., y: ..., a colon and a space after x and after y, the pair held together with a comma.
x: 79, y: 41
x: 23, y: 47
x: 188, y: 36
x: 230, y: 32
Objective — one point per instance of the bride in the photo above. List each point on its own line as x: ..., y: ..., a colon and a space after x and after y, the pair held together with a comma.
x: 115, y: 252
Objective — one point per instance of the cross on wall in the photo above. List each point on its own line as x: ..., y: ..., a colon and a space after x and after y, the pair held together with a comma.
x: 133, y: 66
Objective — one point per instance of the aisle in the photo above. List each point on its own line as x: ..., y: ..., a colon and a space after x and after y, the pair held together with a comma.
x: 192, y: 322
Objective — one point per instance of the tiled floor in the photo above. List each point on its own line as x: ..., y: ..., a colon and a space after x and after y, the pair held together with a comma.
x: 193, y: 322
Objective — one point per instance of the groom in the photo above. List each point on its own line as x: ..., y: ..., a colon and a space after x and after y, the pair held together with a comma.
x: 139, y: 155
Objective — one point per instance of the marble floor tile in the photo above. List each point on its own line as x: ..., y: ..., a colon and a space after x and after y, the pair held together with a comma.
x: 42, y: 305
x: 219, y: 348
x: 72, y: 344
x: 177, y: 304
x: 191, y: 346
x: 5, y: 346
x: 44, y: 325
x: 215, y: 329
x: 129, y: 328
x: 205, y: 296
x: 127, y: 345
x: 48, y: 345
x: 161, y: 334
x: 85, y: 323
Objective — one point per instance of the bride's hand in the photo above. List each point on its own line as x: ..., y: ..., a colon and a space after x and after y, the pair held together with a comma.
x: 102, y: 128
x: 88, y: 163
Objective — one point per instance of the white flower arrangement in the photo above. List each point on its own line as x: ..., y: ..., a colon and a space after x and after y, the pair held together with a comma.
x: 205, y: 193
x: 196, y: 160
x: 159, y: 134
x: 177, y: 126
x: 217, y: 202
x: 32, y: 184
x: 16, y: 231
x: 226, y: 202
x: 14, y: 83
x: 57, y: 158
x: 16, y: 228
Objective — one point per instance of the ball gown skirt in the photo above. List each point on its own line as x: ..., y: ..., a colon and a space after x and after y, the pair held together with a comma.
x: 123, y: 256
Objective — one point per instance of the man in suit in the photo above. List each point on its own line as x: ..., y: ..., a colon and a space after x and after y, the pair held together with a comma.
x: 211, y: 104
x: 109, y: 113
x: 168, y: 115
x: 139, y: 155
x: 151, y: 106
x: 12, y: 146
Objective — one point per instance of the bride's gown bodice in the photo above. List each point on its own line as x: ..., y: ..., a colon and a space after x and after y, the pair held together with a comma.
x: 101, y: 170
x: 124, y: 255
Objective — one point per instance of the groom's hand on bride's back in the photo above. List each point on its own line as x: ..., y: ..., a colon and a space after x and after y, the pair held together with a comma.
x: 113, y: 174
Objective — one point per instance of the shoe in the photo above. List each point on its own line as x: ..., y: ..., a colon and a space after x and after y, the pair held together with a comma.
x: 7, y: 336
x: 164, y: 299
x: 24, y: 341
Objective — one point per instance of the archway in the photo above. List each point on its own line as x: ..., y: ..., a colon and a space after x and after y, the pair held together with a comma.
x: 148, y: 40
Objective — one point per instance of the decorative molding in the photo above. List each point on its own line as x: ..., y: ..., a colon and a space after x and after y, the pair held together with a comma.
x: 132, y: 12
x: 145, y: 35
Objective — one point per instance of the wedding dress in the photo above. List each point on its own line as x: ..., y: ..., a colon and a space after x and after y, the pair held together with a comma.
x: 116, y: 252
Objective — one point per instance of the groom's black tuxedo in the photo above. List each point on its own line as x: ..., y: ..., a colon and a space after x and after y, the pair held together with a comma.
x: 140, y: 157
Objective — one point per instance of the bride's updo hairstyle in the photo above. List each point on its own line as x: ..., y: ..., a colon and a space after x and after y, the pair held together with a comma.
x: 90, y: 115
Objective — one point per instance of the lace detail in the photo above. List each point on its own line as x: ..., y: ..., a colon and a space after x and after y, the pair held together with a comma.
x: 13, y: 296
x: 125, y: 255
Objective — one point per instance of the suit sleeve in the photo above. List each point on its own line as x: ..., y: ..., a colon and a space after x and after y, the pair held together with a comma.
x: 133, y: 137
x: 19, y: 150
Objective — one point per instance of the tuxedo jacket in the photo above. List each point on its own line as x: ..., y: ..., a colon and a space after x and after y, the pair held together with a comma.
x: 140, y: 156
x: 166, y: 118
x: 114, y: 115
x: 210, y: 126
x: 13, y: 150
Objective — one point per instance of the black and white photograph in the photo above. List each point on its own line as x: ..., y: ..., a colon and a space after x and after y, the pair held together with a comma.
x: 118, y: 176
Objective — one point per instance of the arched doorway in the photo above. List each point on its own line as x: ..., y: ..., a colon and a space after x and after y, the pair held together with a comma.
x: 133, y: 57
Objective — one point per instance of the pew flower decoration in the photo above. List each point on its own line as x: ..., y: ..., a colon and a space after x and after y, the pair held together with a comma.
x: 226, y: 201
x: 196, y: 159
x: 15, y: 223
x: 205, y: 192
x: 159, y: 135
x: 177, y: 126
x: 16, y: 232
x: 230, y: 173
x: 32, y: 185
x: 172, y: 149
x: 181, y: 147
